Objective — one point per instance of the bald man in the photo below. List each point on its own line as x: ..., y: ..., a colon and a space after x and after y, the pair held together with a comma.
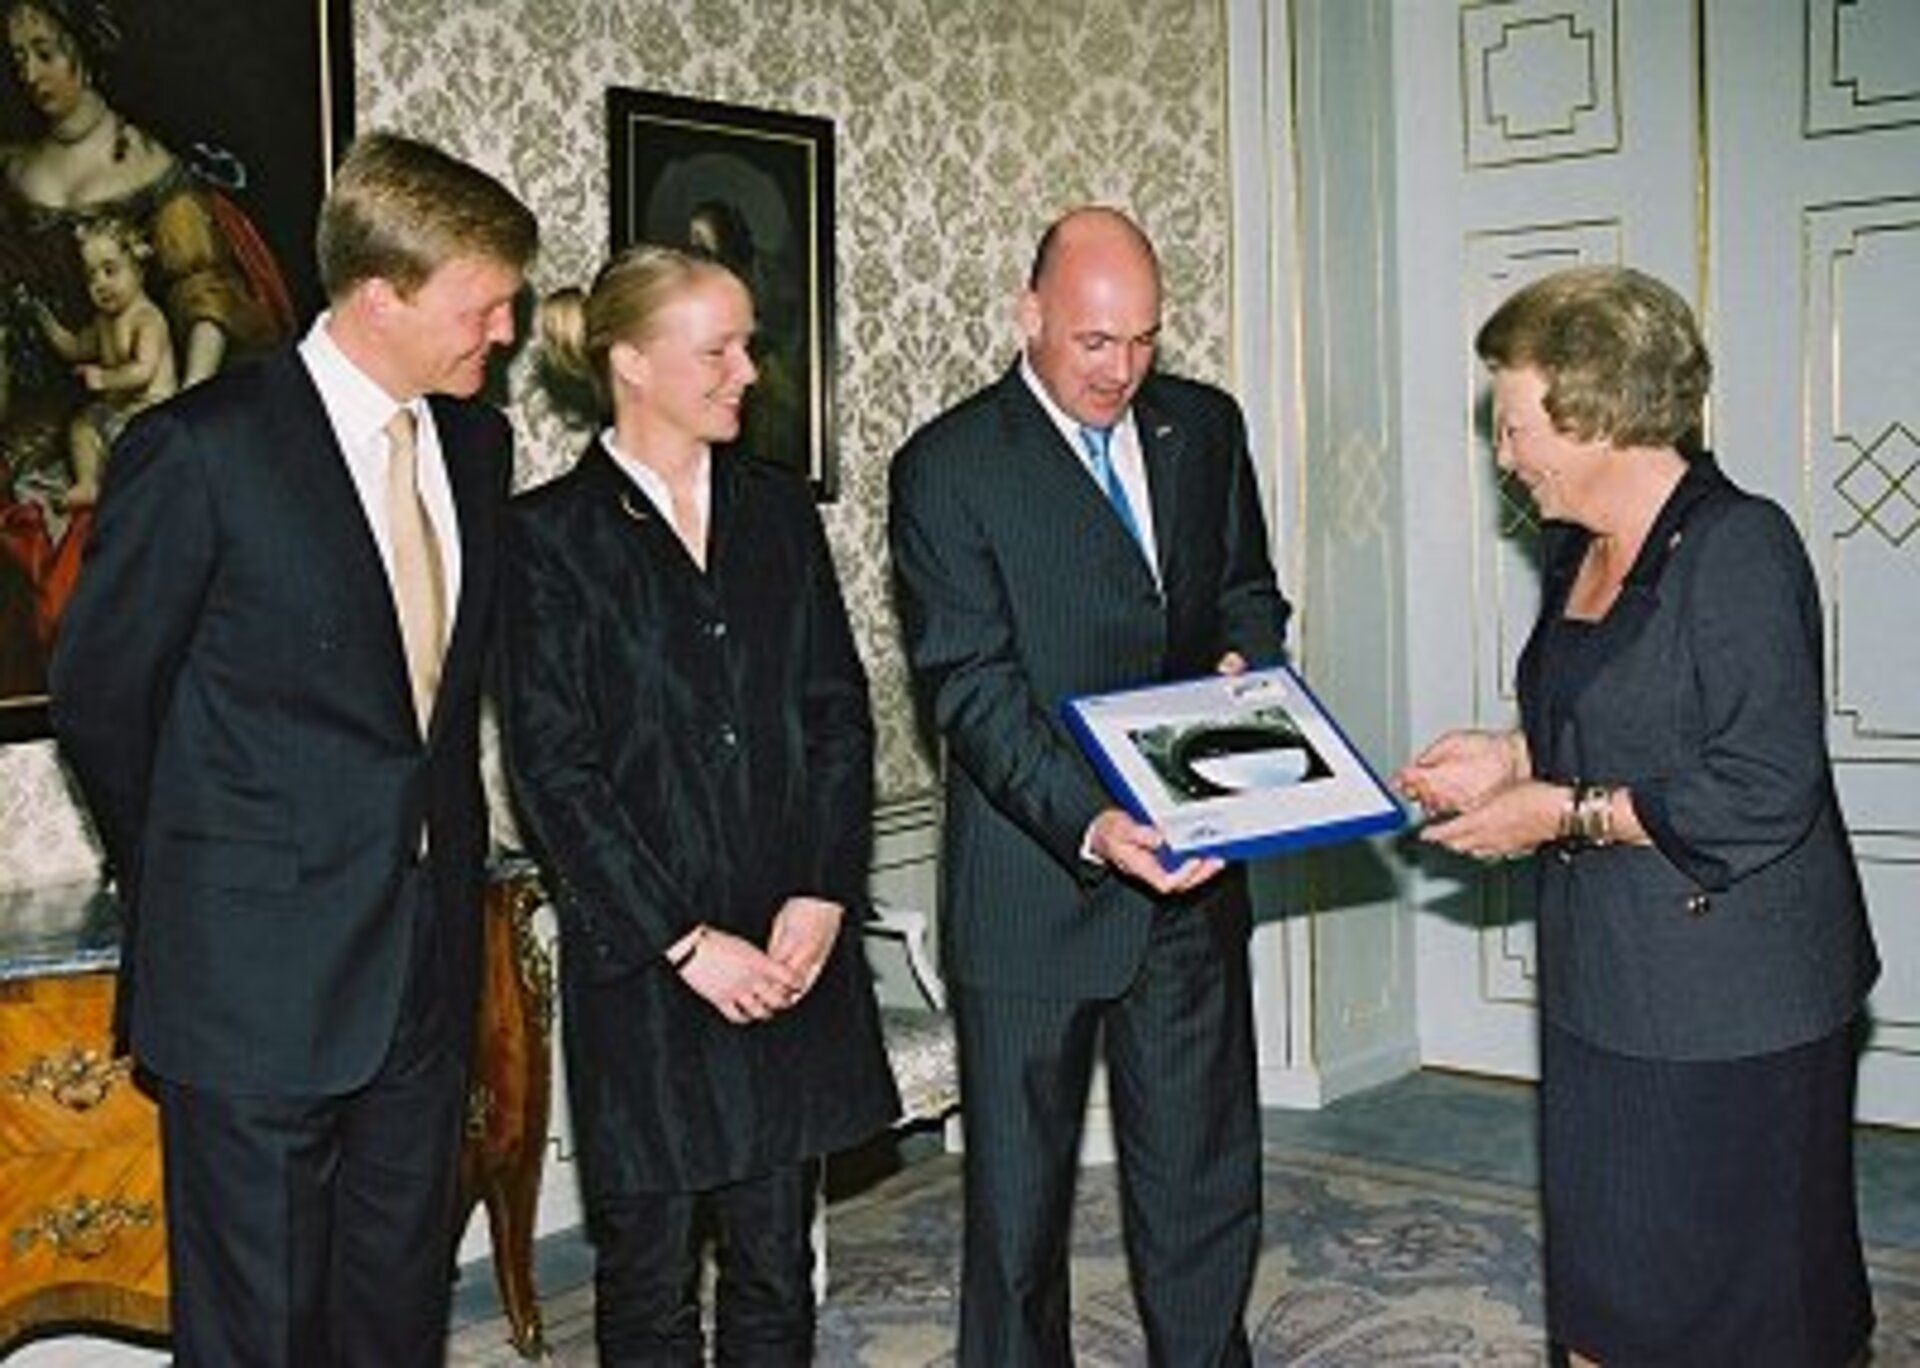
x: 1087, y: 524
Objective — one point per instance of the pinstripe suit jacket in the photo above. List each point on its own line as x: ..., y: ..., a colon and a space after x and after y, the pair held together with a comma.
x: 1020, y: 588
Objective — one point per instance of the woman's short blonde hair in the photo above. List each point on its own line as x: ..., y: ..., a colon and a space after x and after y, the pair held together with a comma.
x: 1619, y: 350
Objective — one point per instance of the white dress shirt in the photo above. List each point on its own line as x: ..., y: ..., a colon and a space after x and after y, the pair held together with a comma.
x: 1124, y: 452
x: 655, y: 488
x: 359, y: 409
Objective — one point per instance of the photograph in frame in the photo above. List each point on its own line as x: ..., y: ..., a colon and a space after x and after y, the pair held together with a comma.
x: 196, y: 176
x: 1233, y: 765
x: 752, y: 188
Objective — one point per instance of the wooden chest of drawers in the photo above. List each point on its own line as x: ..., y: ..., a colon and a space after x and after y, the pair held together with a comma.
x: 81, y: 1239
x: 82, y: 1223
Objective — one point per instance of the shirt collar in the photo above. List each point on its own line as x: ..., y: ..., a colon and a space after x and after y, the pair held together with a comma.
x: 355, y: 401
x: 1069, y: 425
x: 652, y: 485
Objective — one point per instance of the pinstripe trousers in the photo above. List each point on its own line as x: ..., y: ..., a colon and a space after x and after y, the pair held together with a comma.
x: 1179, y: 1050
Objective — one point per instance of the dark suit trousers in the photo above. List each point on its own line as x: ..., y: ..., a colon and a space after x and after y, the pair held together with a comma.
x: 647, y: 1269
x: 304, y: 1232
x: 1179, y: 1051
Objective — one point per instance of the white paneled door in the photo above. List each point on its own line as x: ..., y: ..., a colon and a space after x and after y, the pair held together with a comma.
x: 1533, y: 135
x: 1814, y: 298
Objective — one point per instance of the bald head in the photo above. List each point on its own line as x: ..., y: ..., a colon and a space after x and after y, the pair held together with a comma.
x: 1091, y: 228
x: 1091, y: 313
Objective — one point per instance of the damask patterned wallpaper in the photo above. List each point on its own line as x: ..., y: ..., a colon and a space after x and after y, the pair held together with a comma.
x: 962, y: 126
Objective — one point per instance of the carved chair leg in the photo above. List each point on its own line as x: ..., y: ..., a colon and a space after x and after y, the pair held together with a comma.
x: 511, y: 1200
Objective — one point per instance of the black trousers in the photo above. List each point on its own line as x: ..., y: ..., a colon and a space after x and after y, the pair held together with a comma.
x: 1179, y: 1052
x: 647, y: 1264
x: 310, y: 1232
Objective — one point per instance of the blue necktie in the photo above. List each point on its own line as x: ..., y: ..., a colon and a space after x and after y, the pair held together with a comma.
x: 1097, y: 441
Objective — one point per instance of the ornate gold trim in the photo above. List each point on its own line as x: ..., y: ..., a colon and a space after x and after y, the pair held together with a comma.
x: 83, y: 1229
x: 1591, y: 124
x: 1836, y: 101
x: 480, y: 1109
x: 531, y: 956
x: 79, y: 1080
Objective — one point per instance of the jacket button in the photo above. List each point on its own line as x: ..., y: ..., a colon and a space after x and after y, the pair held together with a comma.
x: 1699, y: 905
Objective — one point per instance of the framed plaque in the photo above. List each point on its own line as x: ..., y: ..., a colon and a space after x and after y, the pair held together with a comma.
x: 1233, y: 765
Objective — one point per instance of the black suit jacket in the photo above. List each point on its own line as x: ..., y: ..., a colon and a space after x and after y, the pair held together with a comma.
x: 692, y: 746
x: 1019, y: 589
x: 1741, y: 929
x: 230, y: 689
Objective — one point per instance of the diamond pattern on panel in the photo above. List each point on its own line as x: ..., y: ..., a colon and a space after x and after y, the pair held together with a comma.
x: 1361, y: 490
x: 1863, y: 65
x: 1518, y: 518
x: 1880, y: 485
x: 1540, y: 80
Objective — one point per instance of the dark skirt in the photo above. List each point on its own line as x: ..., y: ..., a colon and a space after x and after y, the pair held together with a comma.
x: 1703, y: 1213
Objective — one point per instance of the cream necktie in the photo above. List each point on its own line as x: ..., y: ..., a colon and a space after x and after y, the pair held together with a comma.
x: 419, y: 585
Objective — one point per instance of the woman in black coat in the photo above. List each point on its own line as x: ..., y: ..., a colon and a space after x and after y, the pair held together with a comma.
x: 689, y: 738
x: 1704, y: 947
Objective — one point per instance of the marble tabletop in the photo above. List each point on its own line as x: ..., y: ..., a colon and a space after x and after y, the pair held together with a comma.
x: 65, y: 928
x: 74, y: 928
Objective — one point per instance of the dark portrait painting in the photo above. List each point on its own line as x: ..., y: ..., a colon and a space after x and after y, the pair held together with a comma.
x: 752, y: 188
x: 161, y: 163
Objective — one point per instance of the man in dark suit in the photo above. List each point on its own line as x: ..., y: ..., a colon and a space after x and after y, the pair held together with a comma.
x: 1085, y: 525
x: 268, y: 684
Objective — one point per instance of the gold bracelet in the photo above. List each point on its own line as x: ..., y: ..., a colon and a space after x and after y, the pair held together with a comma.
x: 1570, y: 813
x: 1588, y: 819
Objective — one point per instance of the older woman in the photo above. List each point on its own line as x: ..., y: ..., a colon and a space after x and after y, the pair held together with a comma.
x: 688, y: 732
x: 1704, y: 947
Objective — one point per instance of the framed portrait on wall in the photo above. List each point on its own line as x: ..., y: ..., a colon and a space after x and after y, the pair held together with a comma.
x: 161, y: 164
x: 753, y: 188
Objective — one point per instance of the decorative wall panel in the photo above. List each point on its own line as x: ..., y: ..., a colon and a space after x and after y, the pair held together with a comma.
x: 1539, y: 80
x: 1863, y: 384
x: 1861, y: 341
x: 1863, y: 65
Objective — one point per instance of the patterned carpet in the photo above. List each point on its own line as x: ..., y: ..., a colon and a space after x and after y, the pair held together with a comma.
x: 1367, y: 1263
